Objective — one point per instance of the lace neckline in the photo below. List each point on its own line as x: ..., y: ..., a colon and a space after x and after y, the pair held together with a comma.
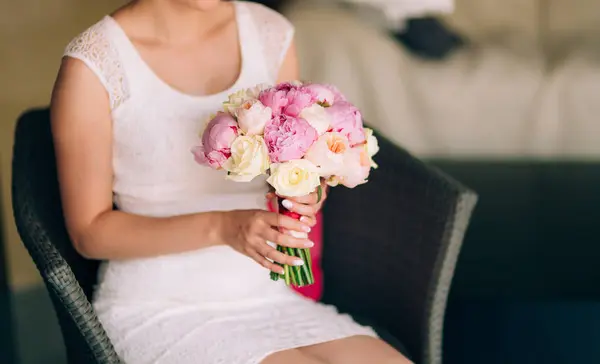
x: 175, y: 90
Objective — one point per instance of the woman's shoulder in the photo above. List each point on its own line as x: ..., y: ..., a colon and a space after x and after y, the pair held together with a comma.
x: 266, y: 18
x: 93, y: 37
x: 96, y: 48
x: 275, y: 34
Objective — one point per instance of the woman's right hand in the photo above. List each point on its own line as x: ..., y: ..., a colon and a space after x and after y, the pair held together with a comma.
x: 248, y: 231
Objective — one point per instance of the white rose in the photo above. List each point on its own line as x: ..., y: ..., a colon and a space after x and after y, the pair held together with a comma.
x: 328, y: 152
x: 255, y: 91
x: 235, y: 100
x: 294, y: 178
x: 249, y: 158
x: 333, y: 181
x: 317, y: 117
x: 252, y: 116
x: 372, y: 146
x: 356, y: 168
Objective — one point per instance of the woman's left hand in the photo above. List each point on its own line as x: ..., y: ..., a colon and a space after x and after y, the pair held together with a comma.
x: 308, y: 206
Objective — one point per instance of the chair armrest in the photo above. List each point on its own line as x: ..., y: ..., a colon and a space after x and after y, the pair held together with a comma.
x: 391, y: 247
x: 39, y: 220
x: 78, y: 321
x: 84, y: 336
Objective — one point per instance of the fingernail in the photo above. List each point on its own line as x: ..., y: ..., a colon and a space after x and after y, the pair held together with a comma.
x: 298, y: 262
x: 306, y: 228
x: 287, y: 204
x: 309, y: 244
x: 304, y: 219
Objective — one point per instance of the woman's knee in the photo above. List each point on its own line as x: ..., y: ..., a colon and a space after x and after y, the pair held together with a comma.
x: 292, y: 356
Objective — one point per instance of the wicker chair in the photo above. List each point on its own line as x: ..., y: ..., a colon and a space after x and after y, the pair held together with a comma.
x: 389, y: 254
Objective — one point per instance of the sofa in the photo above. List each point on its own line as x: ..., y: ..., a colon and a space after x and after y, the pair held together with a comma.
x: 524, y: 83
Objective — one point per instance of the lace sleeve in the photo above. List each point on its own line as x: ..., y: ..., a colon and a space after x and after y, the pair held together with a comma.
x: 93, y: 48
x: 276, y: 34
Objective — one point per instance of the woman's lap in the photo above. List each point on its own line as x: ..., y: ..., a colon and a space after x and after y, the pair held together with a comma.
x: 357, y: 349
x: 174, y: 333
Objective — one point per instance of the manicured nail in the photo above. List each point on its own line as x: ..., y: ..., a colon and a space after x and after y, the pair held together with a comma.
x: 304, y: 219
x: 298, y: 262
x: 309, y: 244
x: 306, y: 228
x: 287, y: 204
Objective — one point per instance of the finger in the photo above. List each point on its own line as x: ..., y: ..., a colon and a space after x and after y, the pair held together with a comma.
x: 280, y: 257
x: 285, y: 222
x: 265, y: 263
x: 286, y: 239
x: 309, y: 220
x: 302, y: 209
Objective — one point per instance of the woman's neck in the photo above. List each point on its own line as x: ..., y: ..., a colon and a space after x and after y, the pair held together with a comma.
x: 172, y: 23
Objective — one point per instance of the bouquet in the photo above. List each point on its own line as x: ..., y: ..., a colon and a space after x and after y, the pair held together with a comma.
x: 297, y: 134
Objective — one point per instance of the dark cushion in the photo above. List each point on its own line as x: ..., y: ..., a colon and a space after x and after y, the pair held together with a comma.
x: 429, y: 38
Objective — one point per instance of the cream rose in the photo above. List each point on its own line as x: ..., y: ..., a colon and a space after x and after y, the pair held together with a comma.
x: 328, y: 152
x: 255, y: 91
x: 372, y: 146
x: 249, y: 158
x: 317, y: 117
x: 294, y: 178
x: 235, y: 100
x: 252, y: 116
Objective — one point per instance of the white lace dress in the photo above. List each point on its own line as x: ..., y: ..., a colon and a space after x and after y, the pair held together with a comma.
x: 212, y: 305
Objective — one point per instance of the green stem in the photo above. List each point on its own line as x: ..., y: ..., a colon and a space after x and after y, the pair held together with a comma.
x: 296, y: 269
x: 293, y: 277
x: 286, y: 269
x: 309, y: 258
x: 306, y: 267
x: 274, y: 276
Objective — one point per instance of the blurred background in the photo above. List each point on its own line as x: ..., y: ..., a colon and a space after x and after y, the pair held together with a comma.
x: 504, y: 95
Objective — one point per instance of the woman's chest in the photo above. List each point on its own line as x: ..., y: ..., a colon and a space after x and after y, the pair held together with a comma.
x: 196, y: 70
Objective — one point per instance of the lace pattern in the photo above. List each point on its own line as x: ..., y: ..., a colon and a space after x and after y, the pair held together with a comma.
x: 94, y: 49
x: 276, y: 34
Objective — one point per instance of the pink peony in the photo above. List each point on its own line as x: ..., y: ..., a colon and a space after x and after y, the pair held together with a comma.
x: 288, y: 138
x: 325, y: 94
x: 287, y: 98
x: 217, y: 138
x: 298, y: 100
x: 275, y: 99
x: 347, y: 120
x: 287, y: 86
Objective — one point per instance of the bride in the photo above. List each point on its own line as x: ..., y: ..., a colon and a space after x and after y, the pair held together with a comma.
x: 185, y: 273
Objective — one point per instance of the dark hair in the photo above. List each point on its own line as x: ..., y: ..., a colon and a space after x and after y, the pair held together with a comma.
x: 273, y: 4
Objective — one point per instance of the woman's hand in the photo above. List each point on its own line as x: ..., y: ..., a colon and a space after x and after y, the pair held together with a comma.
x: 308, y: 206
x: 248, y: 231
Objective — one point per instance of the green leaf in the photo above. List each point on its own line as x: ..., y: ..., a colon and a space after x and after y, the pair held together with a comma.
x: 319, y: 193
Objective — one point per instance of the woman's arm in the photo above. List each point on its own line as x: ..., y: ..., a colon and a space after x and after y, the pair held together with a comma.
x: 82, y: 132
x: 289, y: 70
